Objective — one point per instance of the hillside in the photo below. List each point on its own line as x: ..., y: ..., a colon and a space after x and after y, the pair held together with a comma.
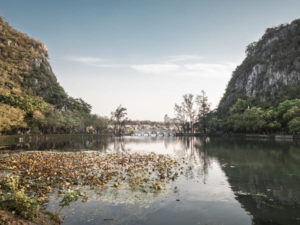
x: 31, y: 99
x: 263, y: 94
x: 270, y: 73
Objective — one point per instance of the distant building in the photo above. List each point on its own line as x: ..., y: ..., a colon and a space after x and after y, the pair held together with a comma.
x: 167, y: 119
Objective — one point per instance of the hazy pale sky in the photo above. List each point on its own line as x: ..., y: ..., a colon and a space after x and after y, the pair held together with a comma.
x: 145, y: 54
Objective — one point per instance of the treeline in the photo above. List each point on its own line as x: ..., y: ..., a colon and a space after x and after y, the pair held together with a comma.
x: 243, y: 117
x: 143, y: 122
x: 31, y: 114
x: 194, y: 115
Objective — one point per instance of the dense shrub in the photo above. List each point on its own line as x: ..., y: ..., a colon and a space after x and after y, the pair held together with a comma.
x: 244, y: 117
x: 14, y: 199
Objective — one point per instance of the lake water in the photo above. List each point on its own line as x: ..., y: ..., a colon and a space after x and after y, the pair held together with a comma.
x: 226, y: 181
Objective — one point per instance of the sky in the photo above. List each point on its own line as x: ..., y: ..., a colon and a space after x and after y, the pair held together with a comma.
x: 146, y: 54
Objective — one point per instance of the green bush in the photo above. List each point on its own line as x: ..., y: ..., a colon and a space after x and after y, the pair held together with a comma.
x: 294, y: 125
x: 26, y: 207
x: 245, y: 118
x: 14, y: 199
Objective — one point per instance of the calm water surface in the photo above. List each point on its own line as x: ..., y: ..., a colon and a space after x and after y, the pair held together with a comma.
x: 227, y: 181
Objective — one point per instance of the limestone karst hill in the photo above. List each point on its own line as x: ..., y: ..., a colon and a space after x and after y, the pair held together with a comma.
x: 31, y: 99
x: 270, y: 73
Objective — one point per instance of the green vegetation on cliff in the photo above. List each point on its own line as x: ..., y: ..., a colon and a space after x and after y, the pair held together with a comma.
x: 270, y: 73
x: 31, y: 99
x: 263, y: 94
x: 244, y: 118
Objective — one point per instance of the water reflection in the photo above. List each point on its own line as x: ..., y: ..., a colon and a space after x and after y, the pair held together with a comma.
x: 54, y: 142
x: 225, y: 181
x: 265, y: 177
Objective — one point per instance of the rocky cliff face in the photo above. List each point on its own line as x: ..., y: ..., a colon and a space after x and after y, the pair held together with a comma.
x: 24, y: 66
x: 31, y: 99
x: 270, y: 73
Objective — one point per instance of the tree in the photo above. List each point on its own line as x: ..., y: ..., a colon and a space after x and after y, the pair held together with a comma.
x: 99, y: 123
x: 180, y: 117
x: 294, y: 125
x: 118, y: 118
x: 293, y: 116
x: 288, y: 111
x: 203, y: 111
x: 253, y: 120
x: 271, y: 118
x: 187, y: 114
x: 239, y: 107
x: 11, y: 118
x: 188, y: 108
x: 54, y: 121
x: 251, y: 48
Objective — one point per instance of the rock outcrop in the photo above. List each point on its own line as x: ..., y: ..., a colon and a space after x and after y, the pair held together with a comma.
x: 24, y: 66
x: 270, y: 73
x: 29, y: 88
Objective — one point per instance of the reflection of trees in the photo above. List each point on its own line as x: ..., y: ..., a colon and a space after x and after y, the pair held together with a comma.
x: 264, y: 175
x: 58, y: 142
x: 118, y: 145
x: 198, y: 161
x: 191, y: 149
x: 205, y: 158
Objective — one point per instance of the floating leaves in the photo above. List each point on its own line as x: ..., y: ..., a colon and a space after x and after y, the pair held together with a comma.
x: 44, y: 172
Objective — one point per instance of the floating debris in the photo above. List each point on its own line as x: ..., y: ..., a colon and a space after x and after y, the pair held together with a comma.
x: 43, y: 172
x: 241, y: 193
